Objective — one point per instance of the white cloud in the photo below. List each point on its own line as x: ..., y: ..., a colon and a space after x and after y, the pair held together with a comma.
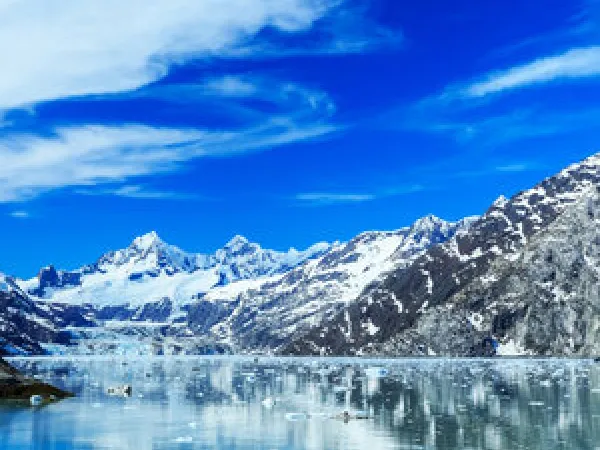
x: 139, y: 192
x: 19, y: 214
x: 329, y: 198
x: 514, y: 168
x: 71, y: 48
x: 231, y: 91
x: 94, y: 155
x: 230, y: 86
x: 325, y: 198
x: 492, y: 130
x: 575, y: 63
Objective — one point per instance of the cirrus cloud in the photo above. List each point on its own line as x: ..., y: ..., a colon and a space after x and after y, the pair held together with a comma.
x: 93, y: 155
x: 74, y: 48
x: 575, y: 63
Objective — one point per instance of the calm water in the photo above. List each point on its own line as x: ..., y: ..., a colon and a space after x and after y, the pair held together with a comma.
x: 206, y: 403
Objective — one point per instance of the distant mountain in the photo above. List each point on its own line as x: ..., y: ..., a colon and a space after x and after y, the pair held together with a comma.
x: 152, y: 296
x: 476, y: 294
x: 150, y: 270
x: 545, y: 300
x: 521, y: 279
x: 24, y: 324
x: 264, y: 315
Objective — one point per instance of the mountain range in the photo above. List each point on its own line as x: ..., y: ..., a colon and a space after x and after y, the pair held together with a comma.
x: 520, y: 279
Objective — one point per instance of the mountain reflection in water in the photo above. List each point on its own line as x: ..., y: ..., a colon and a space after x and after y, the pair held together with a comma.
x: 241, y: 403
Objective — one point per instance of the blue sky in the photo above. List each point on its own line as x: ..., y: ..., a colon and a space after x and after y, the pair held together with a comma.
x: 287, y: 121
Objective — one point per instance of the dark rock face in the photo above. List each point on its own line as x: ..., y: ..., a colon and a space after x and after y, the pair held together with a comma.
x: 154, y: 312
x: 49, y: 277
x: 545, y: 301
x: 24, y: 324
x: 203, y: 315
x: 14, y: 386
x: 268, y: 316
x: 313, y: 284
x: 395, y: 305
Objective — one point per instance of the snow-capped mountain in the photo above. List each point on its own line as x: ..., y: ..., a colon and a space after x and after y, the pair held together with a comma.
x: 392, y: 309
x: 264, y: 315
x: 544, y: 300
x: 241, y: 298
x: 521, y: 279
x: 23, y: 323
x: 150, y: 270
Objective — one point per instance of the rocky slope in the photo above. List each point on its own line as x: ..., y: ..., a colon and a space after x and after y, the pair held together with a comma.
x: 24, y: 323
x: 150, y: 270
x: 15, y: 386
x: 267, y: 315
x: 396, y: 308
x: 544, y: 301
x: 153, y: 297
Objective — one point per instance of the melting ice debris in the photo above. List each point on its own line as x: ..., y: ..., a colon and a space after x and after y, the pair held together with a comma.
x: 36, y: 400
x: 250, y: 377
x: 120, y: 391
x: 361, y: 415
x: 536, y: 403
x: 376, y: 372
x: 268, y: 402
x: 295, y: 417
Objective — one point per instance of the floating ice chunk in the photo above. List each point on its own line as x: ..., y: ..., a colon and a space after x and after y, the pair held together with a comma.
x: 121, y: 391
x: 361, y: 415
x: 36, y: 400
x: 268, y: 402
x: 184, y: 440
x: 250, y: 377
x: 340, y: 389
x: 295, y: 417
x: 377, y: 372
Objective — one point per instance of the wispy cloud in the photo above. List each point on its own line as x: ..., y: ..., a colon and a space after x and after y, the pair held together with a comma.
x: 95, y: 155
x: 491, y: 170
x: 19, y: 214
x: 327, y: 198
x: 229, y: 86
x: 139, y: 192
x: 575, y: 63
x: 331, y: 198
x: 485, y: 129
x: 95, y: 50
x: 229, y: 92
x: 95, y: 47
x: 514, y: 168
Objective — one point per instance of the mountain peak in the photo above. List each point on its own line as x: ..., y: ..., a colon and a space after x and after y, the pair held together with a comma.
x: 429, y: 218
x: 147, y: 240
x: 428, y: 222
x: 237, y: 242
x: 500, y: 202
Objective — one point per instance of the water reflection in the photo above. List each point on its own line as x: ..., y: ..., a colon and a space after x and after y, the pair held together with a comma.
x: 202, y: 403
